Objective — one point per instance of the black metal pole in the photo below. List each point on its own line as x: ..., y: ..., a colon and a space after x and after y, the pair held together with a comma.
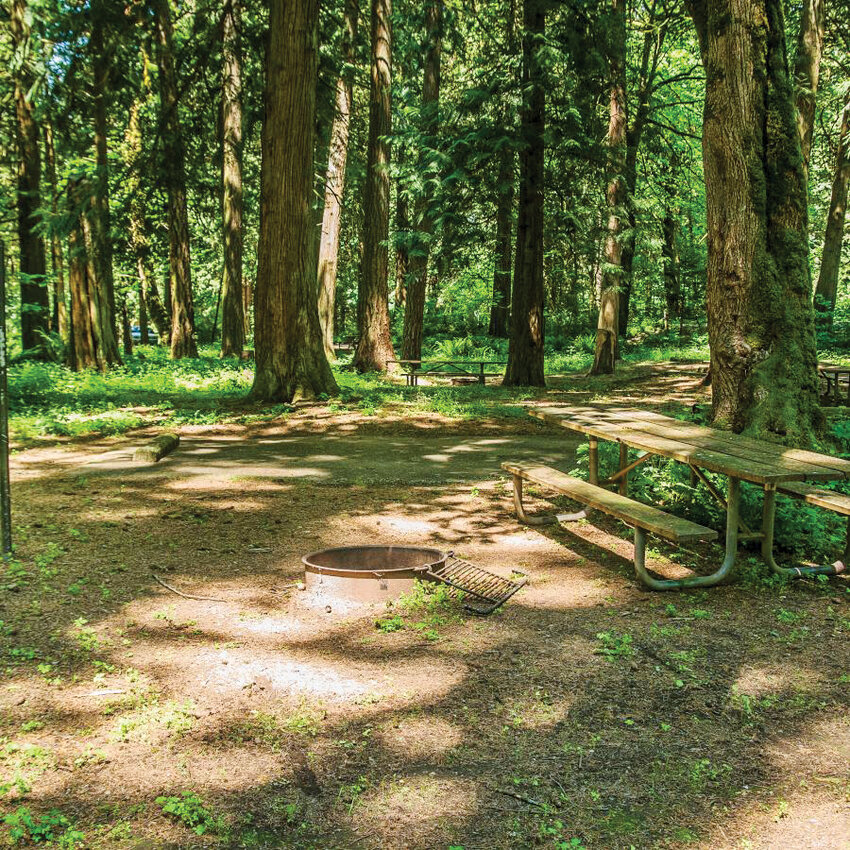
x: 5, y: 493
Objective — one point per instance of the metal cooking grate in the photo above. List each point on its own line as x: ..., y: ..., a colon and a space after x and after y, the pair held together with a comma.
x: 489, y: 591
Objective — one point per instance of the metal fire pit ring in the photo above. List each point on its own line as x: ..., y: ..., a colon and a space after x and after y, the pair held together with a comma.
x: 369, y: 573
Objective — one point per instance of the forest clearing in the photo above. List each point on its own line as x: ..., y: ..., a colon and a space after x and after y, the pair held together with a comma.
x: 425, y: 425
x: 628, y: 718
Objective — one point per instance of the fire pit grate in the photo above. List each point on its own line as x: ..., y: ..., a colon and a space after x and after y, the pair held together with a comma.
x: 490, y: 591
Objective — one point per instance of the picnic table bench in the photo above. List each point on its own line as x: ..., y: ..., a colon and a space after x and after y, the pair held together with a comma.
x: 473, y: 370
x: 773, y: 467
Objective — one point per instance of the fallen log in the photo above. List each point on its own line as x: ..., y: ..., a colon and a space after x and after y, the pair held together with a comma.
x: 158, y: 448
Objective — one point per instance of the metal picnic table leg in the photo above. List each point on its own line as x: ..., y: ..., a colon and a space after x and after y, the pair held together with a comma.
x: 767, y: 527
x: 540, y: 519
x: 733, y: 504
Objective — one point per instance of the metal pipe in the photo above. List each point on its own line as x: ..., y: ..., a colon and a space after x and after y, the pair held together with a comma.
x: 768, y: 521
x: 542, y: 519
x: 733, y: 506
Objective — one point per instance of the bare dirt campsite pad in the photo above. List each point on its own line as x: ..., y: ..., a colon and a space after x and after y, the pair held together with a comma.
x: 587, y: 713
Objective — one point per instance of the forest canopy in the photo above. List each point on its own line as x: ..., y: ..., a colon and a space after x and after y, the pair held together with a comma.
x: 517, y: 177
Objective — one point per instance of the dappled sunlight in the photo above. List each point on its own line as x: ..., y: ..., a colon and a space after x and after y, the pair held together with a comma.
x: 265, y: 700
x: 415, y: 809
x: 423, y: 738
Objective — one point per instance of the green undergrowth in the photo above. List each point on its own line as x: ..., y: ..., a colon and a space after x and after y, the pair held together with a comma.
x: 49, y: 400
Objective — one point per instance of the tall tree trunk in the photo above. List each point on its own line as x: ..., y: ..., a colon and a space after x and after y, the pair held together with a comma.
x: 414, y: 308
x: 290, y: 355
x: 827, y: 288
x: 402, y: 252
x: 60, y: 308
x: 670, y: 257
x: 180, y: 266
x: 149, y: 301
x: 94, y: 344
x: 35, y: 303
x: 607, y: 332
x: 100, y: 216
x: 232, y: 320
x: 500, y: 308
x: 525, y: 349
x: 646, y: 80
x: 807, y: 72
x: 759, y: 294
x: 335, y: 180
x: 375, y: 346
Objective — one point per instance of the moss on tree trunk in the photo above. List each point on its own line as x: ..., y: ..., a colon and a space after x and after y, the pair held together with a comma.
x: 760, y: 318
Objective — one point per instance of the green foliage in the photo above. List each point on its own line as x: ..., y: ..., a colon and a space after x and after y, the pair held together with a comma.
x: 50, y: 828
x: 614, y: 646
x: 191, y: 811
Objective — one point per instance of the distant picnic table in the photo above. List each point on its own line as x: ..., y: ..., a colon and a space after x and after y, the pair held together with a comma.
x: 836, y: 377
x: 775, y: 468
x: 473, y: 370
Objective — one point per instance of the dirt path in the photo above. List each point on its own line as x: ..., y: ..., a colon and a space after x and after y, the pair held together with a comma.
x: 586, y: 709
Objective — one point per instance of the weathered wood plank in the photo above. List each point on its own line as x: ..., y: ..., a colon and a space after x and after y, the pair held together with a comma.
x: 723, y: 463
x: 837, y: 502
x: 696, y: 436
x: 736, y: 441
x: 629, y: 511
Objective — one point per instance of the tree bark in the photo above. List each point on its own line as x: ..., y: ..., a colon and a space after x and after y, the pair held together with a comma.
x: 289, y: 351
x: 670, y: 257
x: 94, y: 344
x: 500, y: 308
x: 807, y: 72
x: 607, y: 332
x: 232, y: 320
x: 149, y: 301
x: 827, y: 287
x: 653, y: 41
x: 100, y: 214
x: 35, y: 303
x: 335, y: 180
x: 180, y: 267
x: 414, y: 308
x: 375, y: 346
x: 760, y: 322
x: 59, y: 323
x: 525, y: 349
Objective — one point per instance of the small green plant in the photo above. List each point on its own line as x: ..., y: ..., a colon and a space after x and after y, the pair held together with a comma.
x: 191, y: 811
x: 390, y: 623
x: 614, y: 646
x: 24, y: 827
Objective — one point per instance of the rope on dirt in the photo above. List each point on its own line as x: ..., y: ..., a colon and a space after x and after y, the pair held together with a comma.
x: 158, y: 580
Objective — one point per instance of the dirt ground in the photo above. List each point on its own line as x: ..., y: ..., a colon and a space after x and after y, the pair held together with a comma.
x: 588, y: 712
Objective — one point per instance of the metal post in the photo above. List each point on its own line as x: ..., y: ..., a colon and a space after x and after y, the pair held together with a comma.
x: 593, y: 460
x: 5, y: 494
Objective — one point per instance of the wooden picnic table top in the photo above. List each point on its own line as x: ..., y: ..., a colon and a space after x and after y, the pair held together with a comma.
x: 748, y: 459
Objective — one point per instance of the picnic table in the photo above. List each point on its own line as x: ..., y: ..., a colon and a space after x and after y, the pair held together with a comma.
x: 474, y: 370
x: 836, y: 377
x: 773, y: 467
